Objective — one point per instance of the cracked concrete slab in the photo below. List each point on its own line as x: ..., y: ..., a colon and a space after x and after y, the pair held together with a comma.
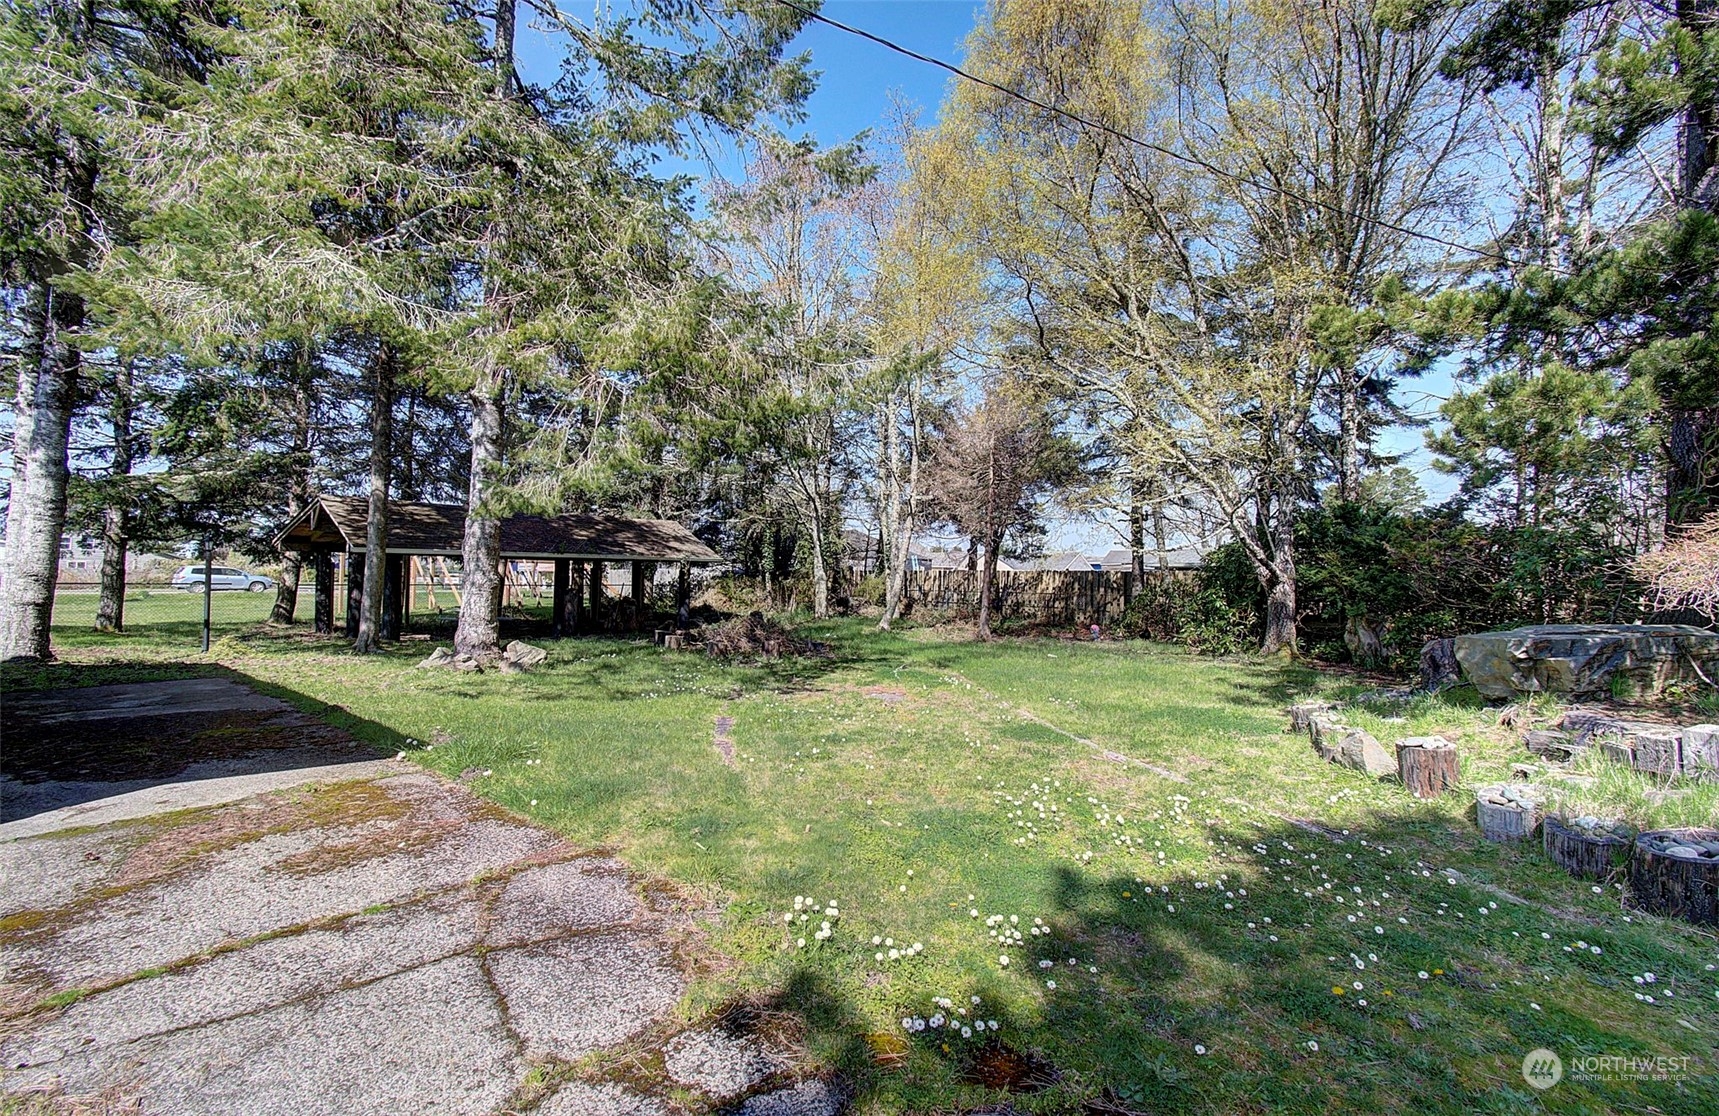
x: 584, y: 1099
x: 579, y: 894
x: 98, y: 754
x: 362, y: 949
x: 252, y: 889
x: 377, y: 945
x: 568, y: 998
x: 359, y: 937
x: 718, y: 1063
x: 425, y: 1040
x: 808, y: 1098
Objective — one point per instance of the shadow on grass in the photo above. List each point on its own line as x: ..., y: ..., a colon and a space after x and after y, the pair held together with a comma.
x: 82, y: 734
x: 1271, y: 984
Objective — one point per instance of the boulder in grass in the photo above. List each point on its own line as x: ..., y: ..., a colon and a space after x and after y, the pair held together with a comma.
x: 524, y: 654
x: 1360, y: 751
x: 1301, y: 714
x: 1552, y: 744
x: 1439, y: 668
x: 1586, y: 660
x: 440, y: 657
x: 1327, y: 733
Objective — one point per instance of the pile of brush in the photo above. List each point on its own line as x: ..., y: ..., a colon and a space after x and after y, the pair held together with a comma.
x: 756, y: 636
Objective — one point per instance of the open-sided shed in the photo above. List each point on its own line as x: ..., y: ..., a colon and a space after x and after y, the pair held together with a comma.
x: 579, y: 545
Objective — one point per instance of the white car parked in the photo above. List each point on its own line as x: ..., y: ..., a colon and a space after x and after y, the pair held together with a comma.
x: 190, y: 579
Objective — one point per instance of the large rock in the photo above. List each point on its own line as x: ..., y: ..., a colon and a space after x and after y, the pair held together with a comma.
x: 1439, y: 669
x: 1360, y: 751
x: 524, y: 654
x: 1586, y: 660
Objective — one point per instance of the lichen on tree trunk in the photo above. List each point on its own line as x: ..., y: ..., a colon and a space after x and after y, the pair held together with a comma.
x: 36, y: 515
x: 110, y: 610
x: 479, y: 629
x: 376, y: 524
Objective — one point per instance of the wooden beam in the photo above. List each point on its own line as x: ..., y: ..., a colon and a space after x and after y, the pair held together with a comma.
x: 558, y: 598
x: 640, y: 596
x: 354, y: 592
x: 683, y: 598
x: 393, y: 601
x: 322, y: 562
x: 596, y: 596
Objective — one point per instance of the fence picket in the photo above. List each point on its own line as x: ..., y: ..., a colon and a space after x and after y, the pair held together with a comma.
x: 1042, y: 596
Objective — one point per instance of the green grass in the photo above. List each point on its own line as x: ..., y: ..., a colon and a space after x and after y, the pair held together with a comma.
x: 902, y: 782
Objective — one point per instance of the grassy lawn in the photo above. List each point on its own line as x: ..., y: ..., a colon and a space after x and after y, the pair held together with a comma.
x: 1197, y: 914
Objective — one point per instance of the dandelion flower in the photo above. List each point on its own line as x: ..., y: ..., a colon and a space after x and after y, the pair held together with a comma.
x: 1200, y: 1050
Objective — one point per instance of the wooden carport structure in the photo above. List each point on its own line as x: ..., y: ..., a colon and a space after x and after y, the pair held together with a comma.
x: 580, y: 546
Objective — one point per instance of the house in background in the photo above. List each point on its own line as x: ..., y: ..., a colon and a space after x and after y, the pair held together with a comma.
x: 1117, y: 561
x: 80, y: 563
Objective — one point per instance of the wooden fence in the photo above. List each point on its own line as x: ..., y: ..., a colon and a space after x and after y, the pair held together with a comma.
x: 1076, y: 597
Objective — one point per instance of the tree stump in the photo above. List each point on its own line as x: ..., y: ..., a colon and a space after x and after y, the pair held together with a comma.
x: 1428, y: 765
x: 1658, y: 751
x: 1701, y: 752
x: 1675, y: 873
x: 1508, y: 812
x: 1587, y: 852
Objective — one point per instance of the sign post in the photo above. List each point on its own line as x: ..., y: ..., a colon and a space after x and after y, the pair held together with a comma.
x: 208, y: 588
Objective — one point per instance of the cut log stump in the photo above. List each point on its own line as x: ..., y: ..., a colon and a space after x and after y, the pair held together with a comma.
x: 1586, y: 852
x: 1675, y: 873
x: 1701, y: 752
x: 1658, y: 751
x: 1508, y: 812
x: 1428, y: 765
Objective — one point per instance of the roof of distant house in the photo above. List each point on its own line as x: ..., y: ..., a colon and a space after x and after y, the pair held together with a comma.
x: 339, y: 523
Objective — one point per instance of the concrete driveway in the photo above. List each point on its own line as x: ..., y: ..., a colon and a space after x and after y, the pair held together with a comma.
x: 353, y: 937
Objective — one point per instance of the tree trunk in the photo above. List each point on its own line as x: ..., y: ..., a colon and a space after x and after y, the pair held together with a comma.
x: 36, y: 516
x: 902, y: 542
x: 820, y: 574
x: 479, y: 628
x: 1691, y: 478
x: 1277, y: 568
x: 1280, y: 636
x: 1160, y: 537
x: 1348, y: 436
x: 376, y: 525
x: 889, y: 519
x: 505, y: 16
x: 1136, y: 531
x: 299, y: 489
x: 987, y: 588
x: 110, y: 611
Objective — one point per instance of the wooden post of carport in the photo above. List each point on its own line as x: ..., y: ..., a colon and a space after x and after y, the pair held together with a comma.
x: 322, y: 562
x: 393, y: 598
x: 596, y: 596
x: 558, y: 597
x: 354, y: 592
x: 639, y: 596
